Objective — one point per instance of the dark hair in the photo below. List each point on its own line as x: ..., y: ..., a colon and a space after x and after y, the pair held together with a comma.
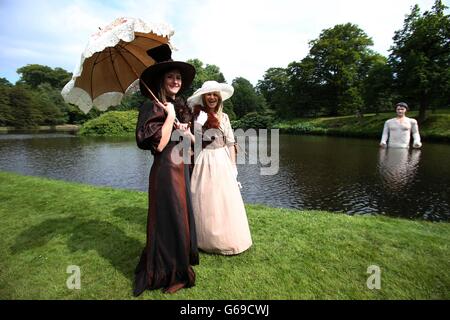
x: 402, y: 104
x: 182, y: 111
x: 161, y: 90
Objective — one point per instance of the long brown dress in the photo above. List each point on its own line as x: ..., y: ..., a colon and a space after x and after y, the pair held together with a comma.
x: 171, y: 246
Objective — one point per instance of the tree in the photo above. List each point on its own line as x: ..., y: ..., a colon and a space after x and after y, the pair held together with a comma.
x: 36, y: 74
x: 6, y: 118
x: 23, y: 107
x: 420, y: 58
x: 202, y: 74
x: 50, y: 104
x: 341, y: 58
x: 76, y: 116
x: 5, y: 83
x: 61, y: 77
x: 228, y: 108
x: 307, y: 94
x: 245, y: 99
x: 274, y: 89
x: 209, y: 72
x: 129, y: 102
x: 378, y: 87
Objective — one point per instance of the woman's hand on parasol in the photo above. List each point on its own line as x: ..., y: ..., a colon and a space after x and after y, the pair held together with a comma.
x: 167, y: 107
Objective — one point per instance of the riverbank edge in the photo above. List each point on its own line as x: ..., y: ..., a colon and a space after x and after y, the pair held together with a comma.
x: 64, y: 128
x: 293, y: 130
x: 436, y: 128
x: 368, y: 126
x: 295, y: 254
x: 355, y: 134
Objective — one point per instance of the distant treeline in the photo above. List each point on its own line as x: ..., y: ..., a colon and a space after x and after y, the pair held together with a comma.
x: 341, y: 75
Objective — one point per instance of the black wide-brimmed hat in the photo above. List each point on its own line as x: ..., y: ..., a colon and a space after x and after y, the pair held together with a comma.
x: 163, y: 57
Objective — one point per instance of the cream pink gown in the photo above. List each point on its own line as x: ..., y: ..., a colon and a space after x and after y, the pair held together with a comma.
x: 219, y: 212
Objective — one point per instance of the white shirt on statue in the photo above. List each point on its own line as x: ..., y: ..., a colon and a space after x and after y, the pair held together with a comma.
x: 397, y: 134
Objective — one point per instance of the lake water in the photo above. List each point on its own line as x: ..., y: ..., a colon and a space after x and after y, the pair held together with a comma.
x: 325, y: 173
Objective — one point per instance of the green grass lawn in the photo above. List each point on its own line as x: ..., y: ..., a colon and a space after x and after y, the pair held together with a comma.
x: 47, y: 225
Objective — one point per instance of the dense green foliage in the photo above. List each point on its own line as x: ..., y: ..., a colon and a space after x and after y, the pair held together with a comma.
x: 255, y: 120
x: 23, y: 106
x: 35, y: 74
x: 202, y: 74
x: 35, y: 99
x: 420, y: 58
x: 113, y: 123
x: 340, y: 75
x: 295, y: 254
x: 329, y: 80
x: 129, y: 102
x: 245, y: 99
x: 275, y: 89
x: 377, y: 88
x: 436, y: 127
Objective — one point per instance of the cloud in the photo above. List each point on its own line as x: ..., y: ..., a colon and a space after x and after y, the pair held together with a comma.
x: 242, y: 37
x: 55, y: 32
x: 245, y: 38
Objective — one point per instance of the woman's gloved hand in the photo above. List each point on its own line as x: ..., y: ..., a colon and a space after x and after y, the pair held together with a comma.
x: 235, y: 171
x: 202, y: 117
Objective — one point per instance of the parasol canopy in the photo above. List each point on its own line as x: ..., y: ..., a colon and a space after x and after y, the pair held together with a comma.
x: 112, y: 62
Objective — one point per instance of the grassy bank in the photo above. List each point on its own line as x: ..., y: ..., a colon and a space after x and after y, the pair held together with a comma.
x: 435, y: 128
x: 296, y: 254
x: 69, y: 128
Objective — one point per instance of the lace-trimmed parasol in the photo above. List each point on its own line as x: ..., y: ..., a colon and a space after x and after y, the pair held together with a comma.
x: 112, y: 62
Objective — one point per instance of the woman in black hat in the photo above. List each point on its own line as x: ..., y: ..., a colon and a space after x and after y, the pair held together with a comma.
x: 171, y: 248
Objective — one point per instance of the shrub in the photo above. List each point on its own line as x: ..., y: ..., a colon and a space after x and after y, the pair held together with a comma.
x: 113, y: 123
x: 254, y: 120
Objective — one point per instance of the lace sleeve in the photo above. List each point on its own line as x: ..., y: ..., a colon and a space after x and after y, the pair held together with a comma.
x: 228, y: 131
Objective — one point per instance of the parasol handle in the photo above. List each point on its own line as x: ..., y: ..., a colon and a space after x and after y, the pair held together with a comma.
x: 151, y: 92
x: 156, y: 99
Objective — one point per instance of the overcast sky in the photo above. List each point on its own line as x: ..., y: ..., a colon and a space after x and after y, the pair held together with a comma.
x: 243, y: 37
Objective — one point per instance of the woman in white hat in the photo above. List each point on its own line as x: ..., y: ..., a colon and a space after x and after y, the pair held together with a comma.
x: 219, y: 212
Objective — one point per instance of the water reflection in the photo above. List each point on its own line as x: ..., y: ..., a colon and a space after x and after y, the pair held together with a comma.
x: 398, y: 167
x: 321, y: 173
x: 115, y: 162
